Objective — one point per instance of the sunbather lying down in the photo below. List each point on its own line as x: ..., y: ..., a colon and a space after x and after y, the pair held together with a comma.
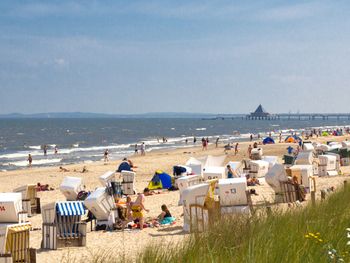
x: 148, y: 192
x: 62, y: 169
x: 43, y: 187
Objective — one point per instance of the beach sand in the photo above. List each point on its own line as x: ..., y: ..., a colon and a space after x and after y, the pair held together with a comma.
x: 129, y: 243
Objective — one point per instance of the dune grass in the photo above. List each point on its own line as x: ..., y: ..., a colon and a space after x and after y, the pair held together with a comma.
x: 311, y: 234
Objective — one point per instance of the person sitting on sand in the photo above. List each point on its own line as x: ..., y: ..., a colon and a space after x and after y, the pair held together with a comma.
x: 252, y: 181
x: 165, y: 217
x: 85, y: 170
x: 138, y: 208
x: 62, y: 169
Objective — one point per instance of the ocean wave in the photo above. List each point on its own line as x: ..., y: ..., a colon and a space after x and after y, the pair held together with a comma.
x: 201, y: 129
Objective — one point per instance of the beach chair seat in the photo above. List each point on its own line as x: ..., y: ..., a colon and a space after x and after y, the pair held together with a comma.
x: 62, y: 225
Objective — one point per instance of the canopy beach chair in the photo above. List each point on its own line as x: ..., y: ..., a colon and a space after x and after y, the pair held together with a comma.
x: 30, y: 199
x: 62, y: 225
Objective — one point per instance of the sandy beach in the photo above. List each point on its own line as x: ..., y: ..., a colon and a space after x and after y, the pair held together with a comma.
x: 129, y: 243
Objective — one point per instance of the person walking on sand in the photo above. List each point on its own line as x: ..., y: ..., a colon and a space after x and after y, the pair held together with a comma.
x: 217, y: 142
x: 105, y: 154
x: 236, y: 148
x: 143, y: 152
x: 30, y: 160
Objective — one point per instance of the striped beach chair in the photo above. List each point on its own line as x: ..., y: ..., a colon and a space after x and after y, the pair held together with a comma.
x: 62, y: 225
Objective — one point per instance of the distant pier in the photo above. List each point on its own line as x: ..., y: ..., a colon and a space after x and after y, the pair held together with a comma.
x: 301, y: 116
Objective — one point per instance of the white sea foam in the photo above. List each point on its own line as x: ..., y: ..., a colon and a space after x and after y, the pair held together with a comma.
x: 36, y: 147
x: 35, y: 162
x: 201, y: 129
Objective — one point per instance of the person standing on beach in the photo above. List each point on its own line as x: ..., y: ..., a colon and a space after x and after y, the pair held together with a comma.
x: 56, y: 150
x: 136, y: 149
x: 250, y: 150
x: 143, y: 152
x: 217, y: 142
x: 194, y: 140
x: 204, y: 144
x: 105, y: 154
x: 251, y: 137
x: 186, y: 141
x: 45, y: 150
x: 236, y: 148
x: 30, y: 160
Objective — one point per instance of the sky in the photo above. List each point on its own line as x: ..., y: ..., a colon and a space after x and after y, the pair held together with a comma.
x: 174, y: 56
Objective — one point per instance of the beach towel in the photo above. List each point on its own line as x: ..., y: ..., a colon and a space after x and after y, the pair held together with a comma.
x: 167, y: 220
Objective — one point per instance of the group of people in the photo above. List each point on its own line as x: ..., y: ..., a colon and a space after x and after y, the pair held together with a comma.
x: 228, y: 147
x: 142, y: 148
x: 135, y: 212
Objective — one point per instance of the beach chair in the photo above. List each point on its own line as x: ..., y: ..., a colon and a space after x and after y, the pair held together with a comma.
x: 128, y: 183
x: 14, y: 243
x: 194, y: 198
x: 102, y: 205
x: 329, y: 165
x: 107, y: 178
x: 289, y: 193
x: 289, y: 159
x: 14, y: 231
x: 30, y: 199
x: 71, y: 186
x: 62, y: 225
x: 256, y: 154
x: 258, y: 168
x: 186, y: 181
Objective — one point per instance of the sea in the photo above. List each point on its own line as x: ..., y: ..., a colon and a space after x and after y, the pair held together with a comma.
x: 85, y: 140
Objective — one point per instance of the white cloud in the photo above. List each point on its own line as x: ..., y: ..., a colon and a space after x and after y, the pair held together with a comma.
x: 290, y: 12
x: 60, y: 62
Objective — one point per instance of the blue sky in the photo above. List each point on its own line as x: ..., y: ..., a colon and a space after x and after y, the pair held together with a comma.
x: 179, y: 56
